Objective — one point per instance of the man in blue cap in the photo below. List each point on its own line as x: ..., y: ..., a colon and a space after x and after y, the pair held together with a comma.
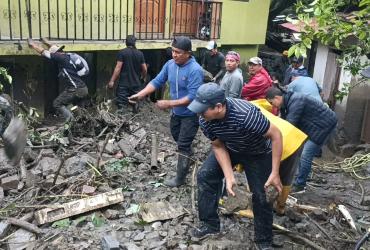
x: 185, y: 76
x: 240, y: 133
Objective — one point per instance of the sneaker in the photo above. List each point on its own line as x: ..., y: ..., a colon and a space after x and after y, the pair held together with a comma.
x: 297, y: 189
x: 204, y: 231
x: 263, y: 246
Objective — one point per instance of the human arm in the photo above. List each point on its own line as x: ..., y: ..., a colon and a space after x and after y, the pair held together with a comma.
x: 223, y: 159
x: 222, y: 70
x: 144, y: 70
x: 116, y: 72
x: 274, y: 134
x: 149, y: 88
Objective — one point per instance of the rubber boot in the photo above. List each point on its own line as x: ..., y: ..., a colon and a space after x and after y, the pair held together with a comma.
x: 281, y: 200
x: 183, y: 165
x: 66, y: 113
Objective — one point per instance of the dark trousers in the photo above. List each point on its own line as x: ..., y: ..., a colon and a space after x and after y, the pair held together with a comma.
x: 257, y: 171
x: 70, y: 96
x: 183, y: 130
x: 124, y: 92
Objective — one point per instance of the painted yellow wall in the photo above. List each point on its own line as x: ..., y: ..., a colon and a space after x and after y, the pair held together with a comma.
x: 244, y: 22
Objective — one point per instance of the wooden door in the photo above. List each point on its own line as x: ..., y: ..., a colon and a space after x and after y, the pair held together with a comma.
x: 149, y: 18
x: 185, y: 17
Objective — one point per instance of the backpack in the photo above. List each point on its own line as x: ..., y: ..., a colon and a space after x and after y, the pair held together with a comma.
x: 79, y: 63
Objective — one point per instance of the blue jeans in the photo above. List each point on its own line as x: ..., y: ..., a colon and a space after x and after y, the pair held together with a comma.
x: 310, y: 150
x: 257, y: 169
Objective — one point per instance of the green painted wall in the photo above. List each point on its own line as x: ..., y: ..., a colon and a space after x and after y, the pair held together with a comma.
x: 244, y: 22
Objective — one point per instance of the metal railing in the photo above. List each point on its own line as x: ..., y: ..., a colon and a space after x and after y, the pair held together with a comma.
x: 109, y: 20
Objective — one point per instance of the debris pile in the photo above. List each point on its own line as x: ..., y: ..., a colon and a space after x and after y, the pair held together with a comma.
x: 97, y: 183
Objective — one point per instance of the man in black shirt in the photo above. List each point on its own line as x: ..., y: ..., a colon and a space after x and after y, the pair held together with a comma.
x: 71, y: 67
x: 130, y: 63
x: 214, y: 62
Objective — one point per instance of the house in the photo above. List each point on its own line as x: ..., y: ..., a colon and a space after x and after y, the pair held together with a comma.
x: 96, y: 30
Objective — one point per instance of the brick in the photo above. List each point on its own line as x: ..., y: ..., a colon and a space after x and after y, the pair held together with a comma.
x: 10, y: 182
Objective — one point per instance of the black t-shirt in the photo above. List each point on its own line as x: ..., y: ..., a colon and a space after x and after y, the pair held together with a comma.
x: 215, y: 63
x: 67, y: 72
x: 131, y: 68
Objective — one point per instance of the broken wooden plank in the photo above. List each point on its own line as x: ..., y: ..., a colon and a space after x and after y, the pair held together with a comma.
x: 79, y: 206
x: 154, y: 151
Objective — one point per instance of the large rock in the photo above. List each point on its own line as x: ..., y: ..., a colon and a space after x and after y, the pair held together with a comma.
x: 347, y: 150
x: 47, y: 166
x: 77, y: 164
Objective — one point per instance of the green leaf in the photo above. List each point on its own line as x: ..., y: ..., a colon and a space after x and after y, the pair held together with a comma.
x: 61, y: 223
x: 307, y: 42
x: 336, y: 43
x: 314, y: 3
x: 364, y: 2
x: 291, y: 50
x: 317, y: 12
x: 308, y: 10
x: 10, y: 79
x: 303, y: 52
x: 97, y: 220
x: 297, y: 52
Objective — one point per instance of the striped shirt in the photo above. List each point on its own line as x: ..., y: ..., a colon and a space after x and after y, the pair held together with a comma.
x: 242, y: 130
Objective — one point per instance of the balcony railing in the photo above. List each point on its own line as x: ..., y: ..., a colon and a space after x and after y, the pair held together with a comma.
x: 109, y: 20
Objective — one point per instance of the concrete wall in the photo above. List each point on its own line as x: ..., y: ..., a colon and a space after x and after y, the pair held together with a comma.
x: 244, y: 22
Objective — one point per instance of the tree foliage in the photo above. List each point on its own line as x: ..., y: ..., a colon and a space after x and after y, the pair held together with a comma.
x: 348, y: 31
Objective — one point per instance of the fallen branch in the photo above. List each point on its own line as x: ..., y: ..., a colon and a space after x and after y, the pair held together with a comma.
x: 319, y: 226
x: 60, y: 167
x: 295, y: 236
x: 154, y: 151
x: 102, y: 149
x: 195, y: 170
x: 25, y: 225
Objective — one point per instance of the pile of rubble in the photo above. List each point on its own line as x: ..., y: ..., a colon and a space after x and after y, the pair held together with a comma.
x: 98, y: 183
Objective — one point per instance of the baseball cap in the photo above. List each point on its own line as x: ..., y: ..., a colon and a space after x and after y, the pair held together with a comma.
x: 182, y: 42
x: 211, y: 45
x: 255, y: 60
x: 208, y: 94
x: 55, y: 48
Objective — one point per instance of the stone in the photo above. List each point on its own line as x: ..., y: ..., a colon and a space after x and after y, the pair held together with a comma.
x: 22, y: 239
x: 76, y: 164
x: 366, y: 201
x: 347, y: 150
x: 157, y: 225
x: 129, y: 143
x: 1, y: 194
x: 364, y: 147
x: 195, y: 247
x: 10, y: 182
x: 293, y: 215
x: 111, y: 214
x: 157, y: 211
x: 302, y: 226
x: 139, y: 157
x: 139, y: 237
x: 88, y: 189
x: 152, y: 236
x: 48, y: 165
x: 110, y: 148
x: 130, y: 246
x: 242, y: 200
x: 29, y: 155
x: 110, y: 243
x: 319, y: 214
x: 4, y: 228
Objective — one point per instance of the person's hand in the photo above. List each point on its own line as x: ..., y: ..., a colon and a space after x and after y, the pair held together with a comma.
x: 135, y: 98
x: 30, y: 42
x: 214, y: 79
x: 230, y: 183
x: 163, y: 104
x: 274, y: 180
x: 110, y: 84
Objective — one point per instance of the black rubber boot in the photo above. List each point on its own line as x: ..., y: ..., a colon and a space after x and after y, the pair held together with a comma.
x: 183, y: 165
x: 66, y: 113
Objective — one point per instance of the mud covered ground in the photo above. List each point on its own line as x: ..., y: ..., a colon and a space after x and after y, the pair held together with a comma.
x: 92, y: 161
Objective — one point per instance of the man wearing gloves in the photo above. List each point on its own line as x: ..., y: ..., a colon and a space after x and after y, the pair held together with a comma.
x: 185, y: 76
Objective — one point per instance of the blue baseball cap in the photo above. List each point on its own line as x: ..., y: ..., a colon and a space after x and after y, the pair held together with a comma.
x: 208, y: 95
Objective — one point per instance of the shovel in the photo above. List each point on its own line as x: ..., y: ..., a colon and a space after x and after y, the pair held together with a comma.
x: 15, y: 138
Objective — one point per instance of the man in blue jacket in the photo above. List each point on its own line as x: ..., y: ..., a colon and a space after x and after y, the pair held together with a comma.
x: 185, y: 76
x: 312, y: 117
